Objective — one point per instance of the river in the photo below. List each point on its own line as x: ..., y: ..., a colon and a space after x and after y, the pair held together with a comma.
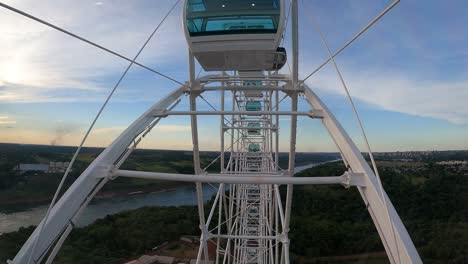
x: 183, y: 195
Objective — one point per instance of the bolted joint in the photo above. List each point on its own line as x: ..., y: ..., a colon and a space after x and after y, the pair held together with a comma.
x: 163, y: 113
x: 346, y: 180
x: 104, y: 171
x: 316, y: 113
x: 283, y: 238
x: 205, y: 234
x: 291, y: 93
x: 195, y: 93
x: 195, y: 86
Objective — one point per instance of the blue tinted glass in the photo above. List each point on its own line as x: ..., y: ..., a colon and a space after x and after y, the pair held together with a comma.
x: 253, y: 106
x: 210, y: 17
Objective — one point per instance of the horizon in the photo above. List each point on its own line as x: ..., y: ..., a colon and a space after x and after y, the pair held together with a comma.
x: 190, y: 150
x: 409, y: 85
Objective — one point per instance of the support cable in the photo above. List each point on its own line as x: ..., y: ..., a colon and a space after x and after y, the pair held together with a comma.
x: 283, y: 39
x: 54, y: 199
x: 363, y: 133
x: 350, y: 41
x: 286, y: 25
x: 88, y: 41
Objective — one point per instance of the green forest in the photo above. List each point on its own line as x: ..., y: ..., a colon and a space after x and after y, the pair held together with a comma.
x: 431, y: 200
x: 19, y: 191
x: 327, y: 221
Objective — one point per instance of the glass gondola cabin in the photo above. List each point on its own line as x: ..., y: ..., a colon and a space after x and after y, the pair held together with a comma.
x: 253, y: 128
x: 253, y: 106
x: 254, y: 148
x: 241, y: 35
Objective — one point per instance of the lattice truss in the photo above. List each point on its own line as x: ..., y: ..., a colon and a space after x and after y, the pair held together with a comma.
x: 249, y: 218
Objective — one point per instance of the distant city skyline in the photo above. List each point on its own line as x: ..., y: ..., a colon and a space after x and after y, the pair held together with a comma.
x: 408, y: 74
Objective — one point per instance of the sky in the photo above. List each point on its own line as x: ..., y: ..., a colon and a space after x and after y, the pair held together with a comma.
x: 408, y: 74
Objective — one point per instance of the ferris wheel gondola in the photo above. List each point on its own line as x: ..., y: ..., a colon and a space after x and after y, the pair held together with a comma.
x: 236, y: 35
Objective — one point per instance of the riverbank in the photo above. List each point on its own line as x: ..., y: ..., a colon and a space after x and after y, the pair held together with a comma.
x: 181, y: 196
x: 11, y: 203
x: 329, y: 223
x: 115, y: 201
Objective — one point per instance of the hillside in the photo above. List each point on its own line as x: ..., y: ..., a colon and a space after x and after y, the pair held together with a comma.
x: 19, y: 191
x: 327, y: 221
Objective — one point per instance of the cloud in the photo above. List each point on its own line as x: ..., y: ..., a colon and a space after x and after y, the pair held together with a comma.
x: 445, y: 100
x: 2, y: 122
x: 400, y: 64
x: 119, y: 129
x: 6, y: 120
x: 108, y: 130
x: 172, y: 128
x: 42, y: 61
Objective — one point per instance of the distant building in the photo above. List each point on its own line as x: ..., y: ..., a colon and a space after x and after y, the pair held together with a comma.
x: 58, y: 166
x: 453, y: 162
x: 23, y: 168
x: 52, y: 167
x: 190, y: 239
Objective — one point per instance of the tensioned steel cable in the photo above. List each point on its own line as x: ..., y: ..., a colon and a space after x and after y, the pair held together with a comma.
x: 54, y: 199
x: 363, y: 132
x: 378, y: 17
x: 283, y: 39
x: 87, y: 41
x: 286, y: 24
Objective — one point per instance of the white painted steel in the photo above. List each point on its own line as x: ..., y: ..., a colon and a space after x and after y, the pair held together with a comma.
x: 370, y: 193
x: 253, y: 178
x: 71, y: 201
x: 355, y: 178
x: 248, y: 221
x: 253, y: 206
x: 248, y: 113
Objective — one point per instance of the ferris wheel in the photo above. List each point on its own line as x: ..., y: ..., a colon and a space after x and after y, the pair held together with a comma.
x: 239, y: 44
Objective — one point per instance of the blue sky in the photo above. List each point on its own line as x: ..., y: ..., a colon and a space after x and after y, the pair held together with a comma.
x: 408, y: 74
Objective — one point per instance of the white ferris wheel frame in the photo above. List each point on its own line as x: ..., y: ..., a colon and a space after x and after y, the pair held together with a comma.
x: 256, y: 223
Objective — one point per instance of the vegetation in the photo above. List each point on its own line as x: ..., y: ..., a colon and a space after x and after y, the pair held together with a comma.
x: 116, y: 237
x: 19, y: 191
x: 327, y: 221
x: 431, y: 200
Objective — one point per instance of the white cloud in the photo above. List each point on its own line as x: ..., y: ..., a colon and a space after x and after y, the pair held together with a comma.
x: 115, y: 131
x: 399, y: 92
x: 42, y: 61
x: 8, y: 122
x: 400, y: 64
x: 108, y: 130
x: 43, y: 65
x: 172, y: 128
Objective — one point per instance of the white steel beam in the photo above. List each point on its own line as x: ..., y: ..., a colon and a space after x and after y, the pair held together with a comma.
x: 71, y: 201
x: 354, y: 179
x: 404, y: 248
x: 313, y: 114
